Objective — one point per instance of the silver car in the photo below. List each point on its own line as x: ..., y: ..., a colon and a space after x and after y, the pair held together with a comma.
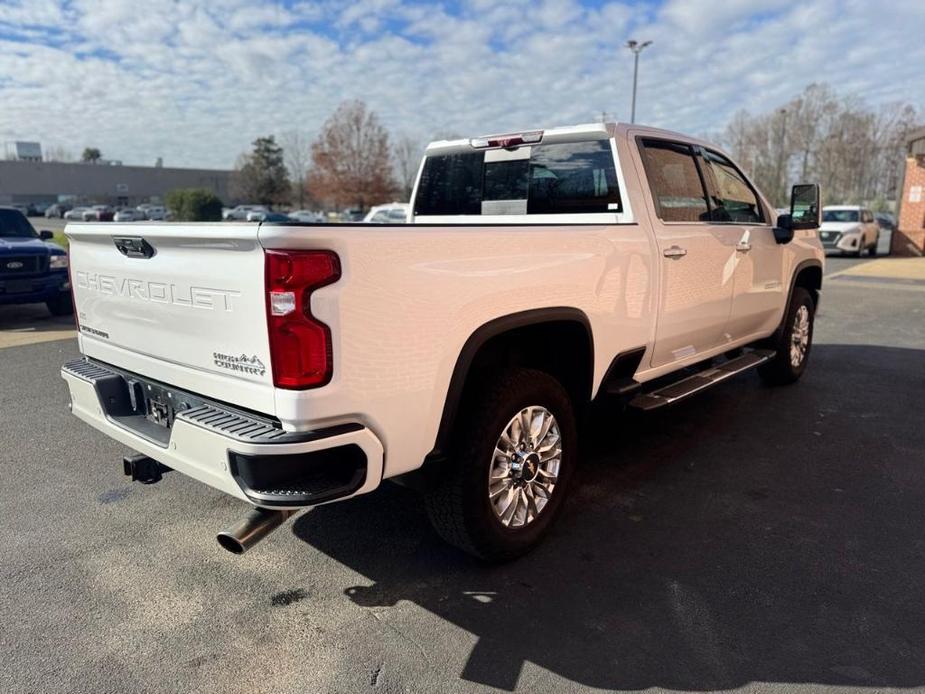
x: 76, y: 214
x: 127, y: 215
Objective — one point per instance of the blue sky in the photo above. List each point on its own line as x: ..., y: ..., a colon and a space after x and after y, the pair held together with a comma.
x: 194, y: 81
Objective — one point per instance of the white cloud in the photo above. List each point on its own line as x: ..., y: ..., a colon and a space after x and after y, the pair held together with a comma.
x: 194, y: 81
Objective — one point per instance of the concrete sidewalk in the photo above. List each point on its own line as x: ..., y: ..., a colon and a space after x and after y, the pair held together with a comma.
x: 897, y: 273
x: 32, y: 323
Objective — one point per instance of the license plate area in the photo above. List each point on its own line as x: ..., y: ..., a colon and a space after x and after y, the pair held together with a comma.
x: 17, y: 286
x: 157, y: 403
x: 150, y: 408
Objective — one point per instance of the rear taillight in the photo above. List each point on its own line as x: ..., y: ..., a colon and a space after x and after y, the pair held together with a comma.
x: 300, y: 344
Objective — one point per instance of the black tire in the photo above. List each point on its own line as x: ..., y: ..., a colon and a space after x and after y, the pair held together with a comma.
x: 872, y: 251
x: 457, y: 499
x: 61, y: 305
x: 781, y: 370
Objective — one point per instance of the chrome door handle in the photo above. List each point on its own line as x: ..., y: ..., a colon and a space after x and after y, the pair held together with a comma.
x: 674, y: 252
x: 743, y: 246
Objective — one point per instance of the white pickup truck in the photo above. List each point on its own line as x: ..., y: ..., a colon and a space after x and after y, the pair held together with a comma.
x: 291, y: 365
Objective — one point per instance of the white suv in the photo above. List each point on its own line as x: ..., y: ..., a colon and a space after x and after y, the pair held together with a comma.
x: 849, y: 229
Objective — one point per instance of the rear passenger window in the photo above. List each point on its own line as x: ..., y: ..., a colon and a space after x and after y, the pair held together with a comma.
x: 674, y: 182
x: 731, y: 198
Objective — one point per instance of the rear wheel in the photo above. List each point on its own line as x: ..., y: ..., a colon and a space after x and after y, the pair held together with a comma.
x: 794, y: 341
x: 514, y: 453
x: 61, y: 305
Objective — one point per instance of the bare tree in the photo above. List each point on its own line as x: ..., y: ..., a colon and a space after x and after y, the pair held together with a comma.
x: 351, y: 161
x: 852, y: 151
x: 297, y: 155
x: 58, y: 153
x: 407, y: 153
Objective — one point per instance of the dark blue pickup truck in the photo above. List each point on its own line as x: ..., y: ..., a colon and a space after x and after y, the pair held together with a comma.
x: 32, y: 269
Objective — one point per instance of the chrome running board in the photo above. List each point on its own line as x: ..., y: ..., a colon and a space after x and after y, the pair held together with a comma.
x: 702, y: 380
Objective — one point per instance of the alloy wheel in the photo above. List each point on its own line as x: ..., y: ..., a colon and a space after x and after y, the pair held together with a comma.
x: 525, y: 467
x: 799, y: 336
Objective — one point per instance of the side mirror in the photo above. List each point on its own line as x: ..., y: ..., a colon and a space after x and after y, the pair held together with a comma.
x: 783, y: 232
x: 805, y: 207
x: 46, y: 235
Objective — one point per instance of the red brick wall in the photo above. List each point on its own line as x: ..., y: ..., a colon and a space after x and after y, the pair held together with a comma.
x: 910, y: 239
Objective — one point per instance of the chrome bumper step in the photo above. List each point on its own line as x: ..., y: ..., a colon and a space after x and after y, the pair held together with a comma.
x: 673, y: 392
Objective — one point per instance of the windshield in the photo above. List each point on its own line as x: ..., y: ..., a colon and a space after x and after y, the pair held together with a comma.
x: 14, y: 225
x: 559, y: 178
x: 839, y: 215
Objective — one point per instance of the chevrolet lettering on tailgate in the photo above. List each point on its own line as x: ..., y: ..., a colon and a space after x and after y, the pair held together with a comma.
x: 158, y: 292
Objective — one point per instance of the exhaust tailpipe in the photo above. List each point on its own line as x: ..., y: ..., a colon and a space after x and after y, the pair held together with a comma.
x: 251, y: 529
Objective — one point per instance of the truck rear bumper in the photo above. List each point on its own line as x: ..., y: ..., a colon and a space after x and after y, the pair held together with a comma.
x: 242, y: 455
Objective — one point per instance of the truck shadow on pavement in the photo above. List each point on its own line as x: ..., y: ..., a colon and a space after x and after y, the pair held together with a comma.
x: 32, y: 318
x: 747, y: 535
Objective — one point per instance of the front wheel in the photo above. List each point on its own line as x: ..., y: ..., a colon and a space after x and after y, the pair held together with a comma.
x: 514, y: 453
x: 793, y: 342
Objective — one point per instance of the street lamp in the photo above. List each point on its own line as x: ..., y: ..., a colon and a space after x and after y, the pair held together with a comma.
x: 636, y: 48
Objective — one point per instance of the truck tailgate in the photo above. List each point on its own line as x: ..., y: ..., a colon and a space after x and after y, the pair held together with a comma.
x: 183, y: 304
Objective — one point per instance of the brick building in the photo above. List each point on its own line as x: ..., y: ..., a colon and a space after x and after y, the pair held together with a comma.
x: 910, y: 236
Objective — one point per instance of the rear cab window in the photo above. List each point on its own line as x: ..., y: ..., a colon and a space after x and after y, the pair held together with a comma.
x: 529, y: 183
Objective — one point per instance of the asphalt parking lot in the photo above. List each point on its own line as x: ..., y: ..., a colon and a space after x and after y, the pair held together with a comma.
x: 750, y: 538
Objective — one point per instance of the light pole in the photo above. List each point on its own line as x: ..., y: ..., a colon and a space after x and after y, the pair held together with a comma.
x: 636, y: 48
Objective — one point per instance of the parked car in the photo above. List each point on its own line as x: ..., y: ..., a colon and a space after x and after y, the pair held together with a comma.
x: 393, y: 213
x: 56, y: 210
x: 32, y: 268
x: 98, y: 213
x: 155, y: 213
x: 128, y: 214
x: 267, y: 216
x: 544, y: 270
x: 256, y: 215
x: 76, y: 214
x: 28, y: 209
x: 275, y: 217
x: 307, y: 217
x: 353, y: 214
x: 885, y: 221
x: 240, y: 212
x: 849, y: 229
